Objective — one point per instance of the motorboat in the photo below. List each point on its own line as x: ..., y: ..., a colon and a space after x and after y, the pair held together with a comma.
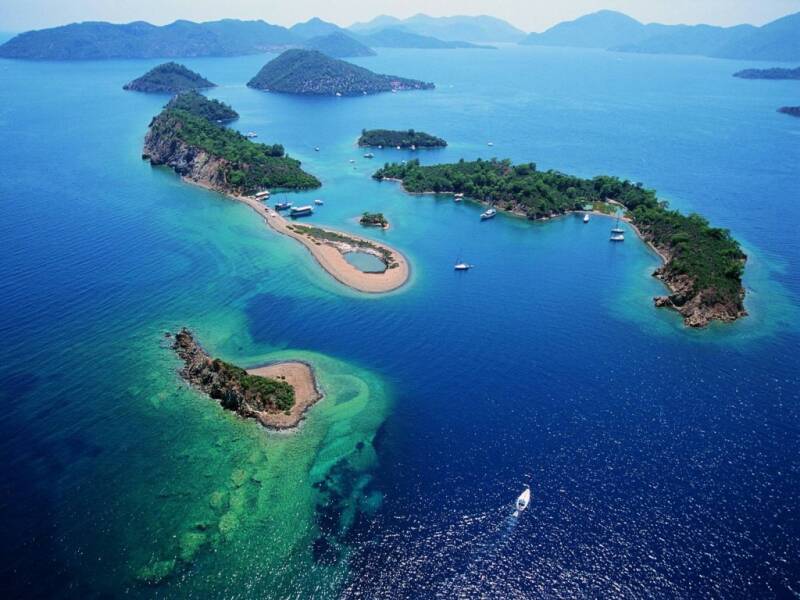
x: 489, y: 214
x: 522, y: 502
x: 301, y: 211
x: 586, y: 218
x: 318, y: 202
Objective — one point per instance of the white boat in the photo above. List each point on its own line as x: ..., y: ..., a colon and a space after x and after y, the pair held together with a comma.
x: 251, y: 134
x: 522, y: 501
x: 339, y: 94
x: 490, y: 144
x: 489, y: 214
x: 318, y: 202
x: 586, y: 218
x: 462, y: 266
x: 316, y: 148
x: 352, y: 160
x: 369, y: 155
x: 618, y: 233
x: 283, y: 205
x: 261, y: 195
x: 301, y: 211
x: 458, y: 197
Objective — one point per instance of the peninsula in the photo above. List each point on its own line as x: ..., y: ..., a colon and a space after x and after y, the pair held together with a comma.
x: 399, y: 139
x: 703, y: 265
x: 220, y: 159
x: 277, y: 395
x: 311, y: 73
x: 169, y: 78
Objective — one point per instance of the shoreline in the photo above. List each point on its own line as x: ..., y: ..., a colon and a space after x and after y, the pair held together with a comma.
x: 301, y: 376
x: 328, y: 256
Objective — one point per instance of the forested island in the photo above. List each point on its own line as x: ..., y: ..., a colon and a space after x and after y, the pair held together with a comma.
x: 402, y: 139
x: 793, y: 111
x: 703, y: 265
x: 309, y: 72
x: 774, y: 73
x: 273, y: 401
x: 369, y: 219
x: 218, y: 157
x: 169, y: 78
x: 338, y: 45
x: 200, y: 106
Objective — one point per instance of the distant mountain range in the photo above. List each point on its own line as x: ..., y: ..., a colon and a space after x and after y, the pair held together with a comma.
x: 229, y: 37
x: 778, y: 40
x: 480, y: 29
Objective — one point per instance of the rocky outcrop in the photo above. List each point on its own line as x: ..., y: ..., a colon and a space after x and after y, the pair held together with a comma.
x: 250, y: 396
x: 163, y: 147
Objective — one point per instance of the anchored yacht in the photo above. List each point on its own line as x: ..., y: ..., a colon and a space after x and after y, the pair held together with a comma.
x: 489, y: 214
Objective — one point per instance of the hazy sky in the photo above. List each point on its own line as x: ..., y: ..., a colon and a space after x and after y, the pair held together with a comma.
x: 530, y: 15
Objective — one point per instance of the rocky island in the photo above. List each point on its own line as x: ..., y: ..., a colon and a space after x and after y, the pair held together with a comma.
x: 390, y: 138
x: 793, y: 111
x: 308, y: 72
x: 277, y: 395
x: 703, y: 265
x: 369, y: 219
x: 169, y: 78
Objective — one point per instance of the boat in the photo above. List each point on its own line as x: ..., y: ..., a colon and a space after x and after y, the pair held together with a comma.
x: 316, y: 148
x: 261, y: 195
x: 522, y: 501
x: 462, y: 266
x: 301, y: 211
x: 318, y: 202
x: 251, y: 134
x: 283, y: 205
x: 490, y: 144
x: 352, y: 160
x: 458, y: 197
x: 618, y: 233
x: 413, y: 147
x: 369, y: 155
x: 489, y: 214
x: 586, y: 218
x: 338, y: 94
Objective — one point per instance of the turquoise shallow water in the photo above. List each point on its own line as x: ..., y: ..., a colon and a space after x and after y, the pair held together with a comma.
x: 663, y: 462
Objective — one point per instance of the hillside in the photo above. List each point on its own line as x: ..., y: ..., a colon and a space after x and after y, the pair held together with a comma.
x: 392, y: 37
x: 479, y: 29
x: 309, y: 72
x: 314, y: 27
x: 100, y: 40
x: 200, y: 106
x: 168, y: 78
x: 338, y: 45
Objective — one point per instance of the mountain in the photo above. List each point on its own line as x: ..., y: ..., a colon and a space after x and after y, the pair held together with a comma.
x: 338, y: 45
x: 312, y: 28
x: 100, y: 40
x: 779, y: 40
x: 309, y: 72
x: 775, y: 73
x: 169, y: 78
x: 470, y: 29
x: 392, y: 37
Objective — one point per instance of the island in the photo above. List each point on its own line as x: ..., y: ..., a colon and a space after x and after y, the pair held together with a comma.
x: 369, y: 219
x: 703, y: 265
x: 793, y: 111
x: 338, y: 45
x: 774, y: 73
x: 276, y: 395
x: 169, y: 78
x: 215, y: 157
x: 401, y: 139
x: 309, y: 72
x: 199, y: 105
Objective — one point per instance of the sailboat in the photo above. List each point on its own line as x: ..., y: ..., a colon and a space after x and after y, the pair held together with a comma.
x: 461, y: 265
x: 618, y: 233
x: 522, y: 501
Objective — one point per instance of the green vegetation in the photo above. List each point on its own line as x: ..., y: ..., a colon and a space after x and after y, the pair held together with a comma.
x: 248, y: 166
x: 312, y: 73
x: 264, y: 392
x: 200, y: 106
x: 709, y: 256
x: 404, y: 139
x: 168, y: 78
x: 373, y: 220
x: 325, y: 235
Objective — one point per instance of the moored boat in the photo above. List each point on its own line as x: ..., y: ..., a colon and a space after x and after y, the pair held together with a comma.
x: 301, y: 211
x: 369, y: 155
x: 458, y: 197
x: 489, y: 214
x: 261, y: 195
x: 586, y: 218
x: 618, y: 233
x: 283, y: 205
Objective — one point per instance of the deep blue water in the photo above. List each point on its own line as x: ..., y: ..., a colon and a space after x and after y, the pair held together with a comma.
x: 663, y: 462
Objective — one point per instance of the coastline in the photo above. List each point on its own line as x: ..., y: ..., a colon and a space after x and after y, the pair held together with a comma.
x: 328, y: 257
x: 300, y: 375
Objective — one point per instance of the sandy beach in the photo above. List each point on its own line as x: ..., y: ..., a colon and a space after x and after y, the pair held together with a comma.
x: 301, y: 377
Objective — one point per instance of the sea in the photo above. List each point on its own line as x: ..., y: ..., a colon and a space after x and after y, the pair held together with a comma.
x: 664, y: 462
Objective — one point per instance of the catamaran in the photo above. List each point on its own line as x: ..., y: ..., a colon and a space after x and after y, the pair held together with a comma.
x: 522, y: 501
x: 489, y: 214
x: 618, y: 233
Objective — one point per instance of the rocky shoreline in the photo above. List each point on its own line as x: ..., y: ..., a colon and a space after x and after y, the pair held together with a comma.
x: 277, y: 395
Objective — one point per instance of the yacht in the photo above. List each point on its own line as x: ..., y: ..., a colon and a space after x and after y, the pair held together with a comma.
x: 261, y: 195
x: 318, y: 202
x: 522, y: 501
x: 458, y: 197
x: 283, y: 205
x: 369, y: 155
x: 490, y: 144
x: 586, y: 218
x: 462, y: 266
x: 316, y: 148
x: 251, y: 134
x: 301, y: 211
x: 618, y: 233
x: 489, y: 214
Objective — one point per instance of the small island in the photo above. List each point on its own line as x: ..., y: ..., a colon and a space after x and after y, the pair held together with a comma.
x: 311, y: 73
x: 369, y: 219
x: 200, y: 106
x: 277, y: 395
x: 703, y: 265
x: 793, y: 111
x: 399, y: 139
x: 217, y: 157
x: 775, y: 73
x: 169, y: 78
